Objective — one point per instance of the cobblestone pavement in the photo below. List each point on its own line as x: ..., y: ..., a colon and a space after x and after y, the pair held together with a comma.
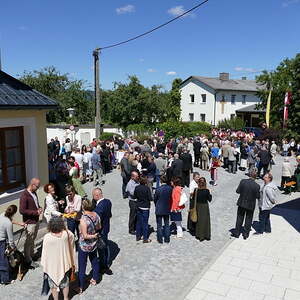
x: 151, y: 271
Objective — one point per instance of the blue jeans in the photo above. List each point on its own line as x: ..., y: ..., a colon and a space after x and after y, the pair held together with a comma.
x: 73, y: 226
x: 82, y: 262
x: 264, y: 221
x: 157, y: 178
x: 163, y: 231
x: 104, y: 254
x: 142, y: 223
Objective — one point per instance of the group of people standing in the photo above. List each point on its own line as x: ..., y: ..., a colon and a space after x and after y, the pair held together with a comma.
x: 90, y: 219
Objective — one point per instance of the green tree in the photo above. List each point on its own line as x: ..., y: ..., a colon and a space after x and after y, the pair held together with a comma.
x: 68, y: 94
x: 285, y: 78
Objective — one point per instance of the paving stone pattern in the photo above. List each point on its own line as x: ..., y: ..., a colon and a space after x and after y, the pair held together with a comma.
x: 153, y: 271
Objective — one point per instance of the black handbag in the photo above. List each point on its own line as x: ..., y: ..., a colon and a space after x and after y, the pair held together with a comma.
x: 46, y: 286
x: 100, y: 242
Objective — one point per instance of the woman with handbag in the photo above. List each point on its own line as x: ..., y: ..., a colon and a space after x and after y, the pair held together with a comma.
x: 201, y: 198
x: 58, y: 257
x: 7, y: 242
x: 89, y: 227
x: 176, y: 208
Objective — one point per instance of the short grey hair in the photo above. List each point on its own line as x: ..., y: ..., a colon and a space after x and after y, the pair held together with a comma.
x: 56, y: 225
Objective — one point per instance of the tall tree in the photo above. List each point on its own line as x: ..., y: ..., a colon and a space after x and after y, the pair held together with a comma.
x: 68, y: 93
x: 285, y: 78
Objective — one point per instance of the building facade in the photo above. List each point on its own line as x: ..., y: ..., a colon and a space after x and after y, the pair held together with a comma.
x: 214, y: 99
x: 23, y: 139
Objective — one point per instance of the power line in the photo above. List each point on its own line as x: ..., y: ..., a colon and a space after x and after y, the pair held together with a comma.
x: 153, y: 29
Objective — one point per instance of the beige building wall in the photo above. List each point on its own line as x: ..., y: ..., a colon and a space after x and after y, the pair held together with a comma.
x: 36, y: 153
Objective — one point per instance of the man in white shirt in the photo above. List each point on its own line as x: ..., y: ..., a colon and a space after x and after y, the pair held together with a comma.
x: 193, y: 187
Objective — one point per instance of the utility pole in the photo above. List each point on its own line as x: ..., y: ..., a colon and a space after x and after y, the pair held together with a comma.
x: 98, y: 127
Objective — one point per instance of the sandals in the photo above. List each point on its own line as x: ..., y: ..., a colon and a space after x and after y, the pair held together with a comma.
x: 93, y: 282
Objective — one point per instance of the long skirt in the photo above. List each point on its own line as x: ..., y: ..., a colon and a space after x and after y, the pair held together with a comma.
x: 4, y: 266
x: 203, y: 222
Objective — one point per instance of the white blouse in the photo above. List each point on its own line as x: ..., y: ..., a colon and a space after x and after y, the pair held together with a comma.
x: 51, y: 208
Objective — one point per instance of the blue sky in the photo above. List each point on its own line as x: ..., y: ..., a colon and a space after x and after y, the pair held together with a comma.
x: 236, y: 36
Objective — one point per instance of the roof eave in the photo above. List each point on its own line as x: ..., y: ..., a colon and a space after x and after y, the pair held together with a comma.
x: 28, y: 107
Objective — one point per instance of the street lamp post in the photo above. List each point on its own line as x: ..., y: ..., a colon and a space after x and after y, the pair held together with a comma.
x: 96, y: 54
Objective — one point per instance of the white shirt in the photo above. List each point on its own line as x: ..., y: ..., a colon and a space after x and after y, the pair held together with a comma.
x: 34, y: 198
x: 99, y: 200
x: 193, y: 186
x: 79, y: 159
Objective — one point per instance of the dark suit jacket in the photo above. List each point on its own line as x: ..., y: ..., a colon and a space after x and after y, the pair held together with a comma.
x: 249, y: 191
x: 143, y: 196
x: 162, y: 200
x: 103, y: 209
x: 197, y: 147
x: 28, y: 209
x: 176, y: 168
x: 187, y: 161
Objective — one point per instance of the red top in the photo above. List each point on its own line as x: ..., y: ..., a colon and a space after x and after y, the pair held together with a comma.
x: 176, y: 193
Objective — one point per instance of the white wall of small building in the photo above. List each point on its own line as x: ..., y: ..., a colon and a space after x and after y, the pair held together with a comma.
x: 213, y: 112
x: 198, y: 107
x: 82, y: 135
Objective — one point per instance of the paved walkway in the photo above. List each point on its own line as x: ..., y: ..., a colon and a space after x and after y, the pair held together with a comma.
x: 166, y: 272
x: 265, y: 267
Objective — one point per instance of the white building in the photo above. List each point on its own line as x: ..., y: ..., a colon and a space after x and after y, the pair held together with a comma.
x: 214, y: 99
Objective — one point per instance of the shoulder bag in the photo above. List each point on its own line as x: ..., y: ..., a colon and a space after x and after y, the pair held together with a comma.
x: 46, y: 286
x: 193, y: 211
x: 183, y: 198
x: 100, y: 243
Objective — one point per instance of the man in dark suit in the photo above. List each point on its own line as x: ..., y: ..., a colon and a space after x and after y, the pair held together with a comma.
x: 125, y: 173
x: 177, y: 167
x: 162, y: 200
x: 249, y: 191
x: 30, y: 210
x: 187, y: 167
x: 103, y: 209
x: 197, y: 148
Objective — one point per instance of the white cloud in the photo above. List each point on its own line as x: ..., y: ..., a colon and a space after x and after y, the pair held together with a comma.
x: 171, y: 73
x: 179, y: 10
x: 249, y: 70
x: 141, y: 60
x: 151, y: 70
x: 287, y: 3
x: 125, y: 9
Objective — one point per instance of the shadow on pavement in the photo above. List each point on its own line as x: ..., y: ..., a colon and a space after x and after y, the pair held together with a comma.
x: 290, y: 211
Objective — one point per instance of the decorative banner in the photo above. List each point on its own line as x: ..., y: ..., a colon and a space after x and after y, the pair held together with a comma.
x: 287, y: 101
x: 268, y: 109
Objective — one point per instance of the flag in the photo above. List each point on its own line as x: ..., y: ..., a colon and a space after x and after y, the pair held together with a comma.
x: 287, y: 101
x: 268, y: 109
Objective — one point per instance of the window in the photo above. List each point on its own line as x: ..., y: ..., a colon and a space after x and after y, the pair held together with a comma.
x: 202, y: 117
x: 12, y: 161
x: 191, y: 117
x: 232, y: 99
x: 232, y: 116
x: 203, y: 98
x: 244, y: 99
x: 192, y: 98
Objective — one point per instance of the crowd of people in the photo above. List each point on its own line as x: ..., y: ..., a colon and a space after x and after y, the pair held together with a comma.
x: 154, y: 171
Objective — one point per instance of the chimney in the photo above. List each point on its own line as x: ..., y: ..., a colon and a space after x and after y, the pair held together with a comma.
x: 244, y: 78
x: 224, y: 76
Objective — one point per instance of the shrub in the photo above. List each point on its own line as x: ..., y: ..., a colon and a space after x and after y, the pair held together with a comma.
x: 234, y: 123
x: 108, y: 136
x: 175, y: 129
x: 139, y: 129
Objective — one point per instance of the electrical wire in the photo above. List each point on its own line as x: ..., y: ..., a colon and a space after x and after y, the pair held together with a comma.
x: 153, y: 29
